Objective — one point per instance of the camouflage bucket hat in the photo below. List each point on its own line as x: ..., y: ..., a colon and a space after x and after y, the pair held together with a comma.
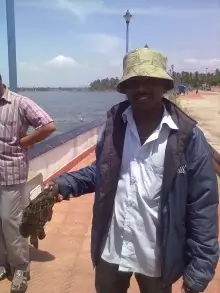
x: 144, y: 62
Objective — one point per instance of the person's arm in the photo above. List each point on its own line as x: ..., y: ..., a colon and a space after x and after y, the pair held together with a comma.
x: 36, y: 117
x: 82, y: 181
x: 78, y: 182
x: 202, y: 248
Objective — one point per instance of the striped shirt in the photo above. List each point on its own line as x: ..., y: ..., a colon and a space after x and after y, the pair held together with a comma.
x: 17, y: 113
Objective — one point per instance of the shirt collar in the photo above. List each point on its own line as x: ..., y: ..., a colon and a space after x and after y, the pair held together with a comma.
x: 127, y: 116
x: 6, y: 95
x: 167, y: 119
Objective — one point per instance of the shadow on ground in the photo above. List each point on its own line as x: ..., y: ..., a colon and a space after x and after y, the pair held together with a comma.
x: 38, y: 255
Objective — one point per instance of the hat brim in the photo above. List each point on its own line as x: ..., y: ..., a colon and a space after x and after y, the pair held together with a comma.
x: 149, y: 72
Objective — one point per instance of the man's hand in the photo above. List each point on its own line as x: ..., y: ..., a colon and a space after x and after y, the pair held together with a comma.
x: 31, y: 146
x: 59, y: 198
x: 50, y: 185
x: 24, y: 143
x: 186, y: 289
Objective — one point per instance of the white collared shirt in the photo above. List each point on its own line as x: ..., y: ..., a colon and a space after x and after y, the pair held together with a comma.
x: 132, y: 240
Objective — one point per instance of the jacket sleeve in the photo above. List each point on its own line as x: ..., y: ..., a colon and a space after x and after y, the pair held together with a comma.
x: 202, y: 248
x: 82, y: 181
x: 78, y: 182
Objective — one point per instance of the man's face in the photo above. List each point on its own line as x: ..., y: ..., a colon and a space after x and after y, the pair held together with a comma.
x: 144, y: 93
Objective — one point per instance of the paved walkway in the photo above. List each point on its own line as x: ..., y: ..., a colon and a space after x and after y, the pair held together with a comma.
x: 62, y: 264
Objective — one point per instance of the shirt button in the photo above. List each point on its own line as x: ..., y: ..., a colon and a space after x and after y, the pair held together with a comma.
x: 133, y: 181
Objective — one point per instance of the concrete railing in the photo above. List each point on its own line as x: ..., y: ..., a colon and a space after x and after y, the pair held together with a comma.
x: 62, y: 152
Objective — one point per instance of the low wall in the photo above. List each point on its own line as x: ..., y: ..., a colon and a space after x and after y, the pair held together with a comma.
x: 62, y: 152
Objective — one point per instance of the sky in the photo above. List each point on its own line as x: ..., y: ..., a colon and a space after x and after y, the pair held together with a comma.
x: 73, y: 42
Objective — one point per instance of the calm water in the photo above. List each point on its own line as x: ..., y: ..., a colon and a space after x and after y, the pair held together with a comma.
x: 67, y: 108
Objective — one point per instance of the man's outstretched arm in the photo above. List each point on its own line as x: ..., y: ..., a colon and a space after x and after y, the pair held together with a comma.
x: 82, y: 181
x: 78, y: 182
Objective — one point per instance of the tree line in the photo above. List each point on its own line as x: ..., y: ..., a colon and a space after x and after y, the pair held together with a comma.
x: 193, y: 79
x: 197, y: 79
x: 105, y: 84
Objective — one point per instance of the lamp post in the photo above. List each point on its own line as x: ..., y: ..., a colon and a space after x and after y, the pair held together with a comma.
x: 206, y: 75
x: 12, y: 62
x: 127, y: 18
x: 172, y: 70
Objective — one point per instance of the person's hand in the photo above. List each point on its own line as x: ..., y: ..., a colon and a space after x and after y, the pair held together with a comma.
x: 186, y: 289
x: 59, y: 197
x: 30, y: 146
x: 51, y: 185
x: 24, y: 142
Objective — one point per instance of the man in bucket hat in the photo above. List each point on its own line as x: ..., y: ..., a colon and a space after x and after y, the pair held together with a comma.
x: 156, y: 199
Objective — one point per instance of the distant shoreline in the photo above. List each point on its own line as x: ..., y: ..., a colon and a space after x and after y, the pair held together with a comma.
x: 25, y: 89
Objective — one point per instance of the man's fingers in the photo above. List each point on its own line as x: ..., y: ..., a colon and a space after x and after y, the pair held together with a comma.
x: 51, y: 185
x: 48, y: 185
x: 59, y: 198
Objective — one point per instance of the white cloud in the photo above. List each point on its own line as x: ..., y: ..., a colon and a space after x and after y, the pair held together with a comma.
x: 83, y: 8
x: 214, y: 61
x: 107, y: 51
x: 105, y: 61
x: 101, y: 56
x: 27, y: 66
x: 108, y: 45
x: 194, y: 63
x: 61, y: 61
x: 205, y: 62
x: 116, y: 62
x: 191, y: 60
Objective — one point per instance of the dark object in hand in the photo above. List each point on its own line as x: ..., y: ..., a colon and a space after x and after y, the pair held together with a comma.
x: 38, y: 213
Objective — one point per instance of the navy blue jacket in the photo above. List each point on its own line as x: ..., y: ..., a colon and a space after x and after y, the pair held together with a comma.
x: 189, y: 219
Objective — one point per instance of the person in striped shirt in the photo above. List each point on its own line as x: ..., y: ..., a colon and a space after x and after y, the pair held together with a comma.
x: 17, y: 114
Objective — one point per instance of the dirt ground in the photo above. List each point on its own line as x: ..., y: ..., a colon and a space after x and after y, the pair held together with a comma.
x: 205, y: 109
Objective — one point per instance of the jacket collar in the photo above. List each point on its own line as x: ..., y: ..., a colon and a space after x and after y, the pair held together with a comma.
x: 184, y: 123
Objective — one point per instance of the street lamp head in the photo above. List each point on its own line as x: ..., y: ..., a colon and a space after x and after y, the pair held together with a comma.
x: 127, y: 16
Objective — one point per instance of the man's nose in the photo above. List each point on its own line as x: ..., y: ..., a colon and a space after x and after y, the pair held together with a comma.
x: 142, y: 89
